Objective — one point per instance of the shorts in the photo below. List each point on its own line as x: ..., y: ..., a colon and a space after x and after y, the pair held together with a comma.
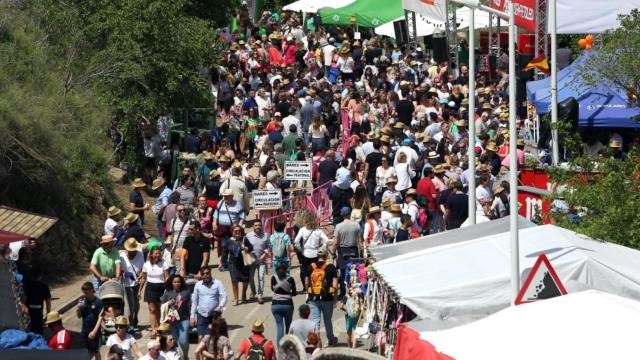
x: 153, y: 292
x: 92, y: 345
x: 149, y: 162
x: 203, y: 322
x: 350, y: 323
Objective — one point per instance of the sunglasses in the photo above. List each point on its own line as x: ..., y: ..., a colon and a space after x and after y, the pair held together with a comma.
x: 180, y: 210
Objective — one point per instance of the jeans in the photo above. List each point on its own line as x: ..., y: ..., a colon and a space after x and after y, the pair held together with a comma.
x: 283, y: 315
x: 180, y: 331
x: 160, y: 232
x: 234, y: 140
x: 318, y: 144
x: 324, y: 309
x: 261, y: 267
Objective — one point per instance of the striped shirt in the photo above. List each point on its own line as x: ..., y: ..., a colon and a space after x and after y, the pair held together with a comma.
x: 229, y: 214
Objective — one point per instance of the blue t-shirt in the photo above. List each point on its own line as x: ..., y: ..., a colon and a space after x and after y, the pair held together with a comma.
x: 287, y: 243
x: 90, y: 312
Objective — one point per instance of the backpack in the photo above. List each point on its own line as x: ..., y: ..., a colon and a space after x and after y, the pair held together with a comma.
x: 278, y: 248
x: 119, y: 237
x: 353, y: 307
x: 422, y: 216
x: 256, y: 352
x: 318, y: 278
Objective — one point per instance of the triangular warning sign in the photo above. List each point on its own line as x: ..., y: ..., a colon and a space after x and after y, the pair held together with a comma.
x: 542, y: 283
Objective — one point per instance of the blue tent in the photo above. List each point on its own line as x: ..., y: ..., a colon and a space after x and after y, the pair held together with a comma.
x: 600, y: 106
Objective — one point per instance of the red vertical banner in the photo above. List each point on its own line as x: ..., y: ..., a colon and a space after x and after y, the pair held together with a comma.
x: 524, y: 11
x: 346, y: 131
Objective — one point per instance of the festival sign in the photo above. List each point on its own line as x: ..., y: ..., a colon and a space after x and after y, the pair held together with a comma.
x: 524, y: 11
x: 297, y: 170
x: 267, y: 199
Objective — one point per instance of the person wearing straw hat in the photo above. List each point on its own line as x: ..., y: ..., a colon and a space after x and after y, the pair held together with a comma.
x: 136, y: 201
x: 411, y: 208
x: 132, y: 229
x: 105, y: 262
x: 164, y: 193
x: 131, y: 261
x: 61, y: 338
x: 385, y: 214
x: 124, y: 340
x: 391, y: 193
x: 500, y: 205
x: 346, y: 64
x: 229, y: 212
x: 616, y: 150
x: 256, y: 344
x: 111, y: 225
x: 506, y: 162
x: 372, y: 233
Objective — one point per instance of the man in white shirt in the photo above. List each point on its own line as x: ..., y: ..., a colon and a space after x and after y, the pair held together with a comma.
x: 410, y: 207
x: 367, y: 148
x: 111, y: 224
x: 131, y: 262
x: 264, y: 105
x: 483, y: 194
x: 412, y: 155
x: 288, y: 121
x: 327, y: 54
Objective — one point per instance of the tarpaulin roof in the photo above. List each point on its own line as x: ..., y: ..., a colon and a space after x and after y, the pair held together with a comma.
x: 600, y: 106
x: 425, y: 26
x: 448, y: 237
x: 368, y: 13
x: 312, y: 6
x: 588, y: 325
x: 457, y: 283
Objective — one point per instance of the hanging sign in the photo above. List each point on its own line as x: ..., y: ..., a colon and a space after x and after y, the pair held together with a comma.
x: 297, y: 170
x: 267, y: 199
x: 524, y: 11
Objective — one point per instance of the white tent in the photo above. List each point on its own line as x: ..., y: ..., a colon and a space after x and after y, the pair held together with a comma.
x: 312, y: 6
x: 461, y: 282
x: 590, y: 16
x: 426, y: 26
x: 589, y: 325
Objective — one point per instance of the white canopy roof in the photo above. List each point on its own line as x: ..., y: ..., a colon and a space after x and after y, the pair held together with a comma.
x: 589, y: 325
x: 312, y: 6
x: 426, y: 26
x: 590, y: 16
x: 461, y: 282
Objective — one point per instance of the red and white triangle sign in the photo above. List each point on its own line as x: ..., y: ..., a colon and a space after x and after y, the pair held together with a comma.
x: 542, y: 283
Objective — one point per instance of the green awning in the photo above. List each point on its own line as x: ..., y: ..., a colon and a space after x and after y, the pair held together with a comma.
x: 368, y: 13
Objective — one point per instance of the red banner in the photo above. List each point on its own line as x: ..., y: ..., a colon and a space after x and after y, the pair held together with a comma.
x: 524, y: 11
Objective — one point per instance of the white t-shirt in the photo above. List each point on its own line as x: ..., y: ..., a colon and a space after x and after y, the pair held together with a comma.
x: 345, y: 65
x: 155, y: 272
x: 311, y: 241
x: 109, y: 226
x: 287, y: 122
x: 126, y: 344
x: 318, y: 133
x: 482, y: 194
x: 376, y: 237
x: 404, y: 173
x: 327, y: 53
x: 133, y: 266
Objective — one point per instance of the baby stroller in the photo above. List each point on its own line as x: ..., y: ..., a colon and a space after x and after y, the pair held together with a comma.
x: 111, y: 293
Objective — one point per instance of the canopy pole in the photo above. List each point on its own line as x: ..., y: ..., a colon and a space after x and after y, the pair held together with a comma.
x: 513, y: 161
x: 554, y: 84
x: 472, y: 119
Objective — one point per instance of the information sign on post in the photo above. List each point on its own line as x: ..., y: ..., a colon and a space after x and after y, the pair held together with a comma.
x: 267, y: 199
x: 297, y: 170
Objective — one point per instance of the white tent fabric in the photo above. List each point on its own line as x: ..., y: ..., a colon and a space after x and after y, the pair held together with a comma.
x: 312, y: 6
x: 458, y: 283
x: 589, y: 325
x: 593, y: 16
x: 426, y: 26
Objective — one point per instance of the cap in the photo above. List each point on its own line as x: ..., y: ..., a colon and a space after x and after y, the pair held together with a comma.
x: 277, y: 114
x: 345, y: 211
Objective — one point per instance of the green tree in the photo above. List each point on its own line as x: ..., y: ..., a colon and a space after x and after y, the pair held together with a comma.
x: 617, y: 62
x: 606, y: 194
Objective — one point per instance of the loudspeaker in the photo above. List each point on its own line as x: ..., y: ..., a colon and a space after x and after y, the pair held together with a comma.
x: 440, y: 49
x: 401, y: 32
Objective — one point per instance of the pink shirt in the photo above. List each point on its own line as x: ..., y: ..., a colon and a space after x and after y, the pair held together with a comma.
x: 519, y: 156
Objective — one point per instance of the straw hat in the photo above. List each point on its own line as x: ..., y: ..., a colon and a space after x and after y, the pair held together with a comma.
x: 222, y: 158
x: 491, y: 147
x: 213, y: 174
x: 131, y: 218
x: 433, y: 155
x: 497, y: 189
x: 396, y: 209
x: 464, y: 102
x: 398, y: 125
x: 257, y: 326
x: 480, y: 91
x: 615, y: 144
x: 520, y: 142
x: 138, y: 183
x: 461, y: 122
x: 236, y: 164
x: 157, y: 183
x: 165, y: 326
x: 234, y: 47
x: 113, y: 211
x: 372, y: 135
x: 392, y: 180
x: 52, y: 317
x: 486, y: 106
x: 345, y: 50
x: 374, y: 209
x: 207, y: 156
x: 386, y: 130
x: 131, y: 244
x: 227, y: 192
x: 106, y: 239
x: 439, y: 169
x: 411, y: 192
x: 356, y: 43
x: 386, y: 202
x: 384, y: 139
x: 122, y: 320
x: 504, y: 117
